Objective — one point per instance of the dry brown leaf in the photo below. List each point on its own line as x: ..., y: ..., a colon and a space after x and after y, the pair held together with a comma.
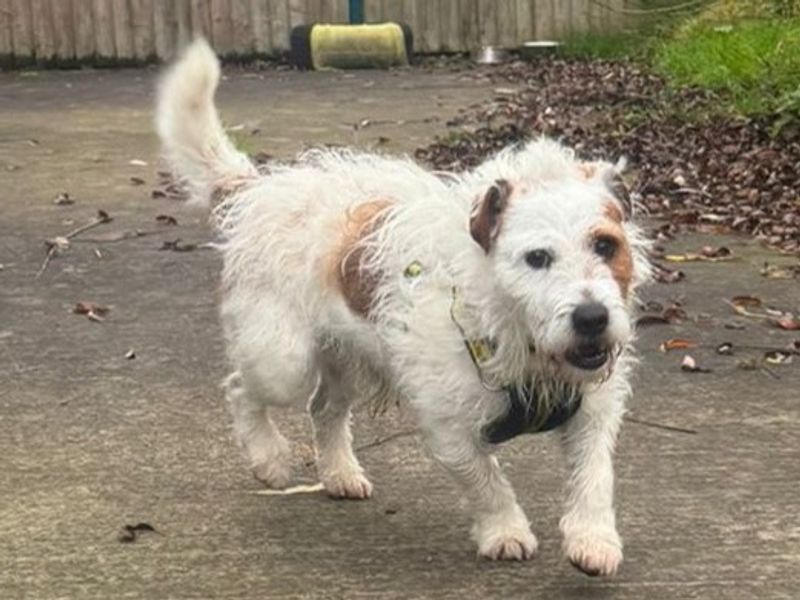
x: 788, y: 323
x: 166, y: 220
x: 63, y: 199
x: 92, y: 311
x: 677, y: 344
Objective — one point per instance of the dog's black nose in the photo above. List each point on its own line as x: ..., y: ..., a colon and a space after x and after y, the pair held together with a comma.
x: 590, y: 319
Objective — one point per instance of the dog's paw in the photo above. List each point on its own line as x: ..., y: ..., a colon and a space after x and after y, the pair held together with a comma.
x: 511, y: 540
x: 352, y: 485
x: 510, y: 547
x: 594, y: 554
x: 275, y: 474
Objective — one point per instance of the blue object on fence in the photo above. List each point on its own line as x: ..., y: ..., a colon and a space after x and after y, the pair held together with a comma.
x: 356, y: 11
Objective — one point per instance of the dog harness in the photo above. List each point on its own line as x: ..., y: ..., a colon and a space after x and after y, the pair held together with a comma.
x: 524, y: 413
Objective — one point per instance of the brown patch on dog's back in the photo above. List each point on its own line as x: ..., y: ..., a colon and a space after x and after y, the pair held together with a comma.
x: 357, y: 283
x: 621, y: 264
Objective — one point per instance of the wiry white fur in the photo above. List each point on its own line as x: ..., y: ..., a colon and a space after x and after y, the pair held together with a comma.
x: 293, y: 340
x: 193, y: 138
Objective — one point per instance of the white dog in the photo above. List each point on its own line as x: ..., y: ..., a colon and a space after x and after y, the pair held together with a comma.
x: 492, y: 305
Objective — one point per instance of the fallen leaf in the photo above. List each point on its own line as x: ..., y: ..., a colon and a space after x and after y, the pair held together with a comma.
x: 716, y: 252
x: 130, y: 533
x: 166, y: 220
x: 668, y: 316
x: 63, y: 199
x: 93, y: 312
x: 675, y: 314
x: 689, y: 364
x: 778, y: 357
x: 725, y: 348
x: 677, y: 344
x: 177, y: 246
x: 744, y: 304
x: 662, y: 274
x: 788, y: 323
x: 647, y: 320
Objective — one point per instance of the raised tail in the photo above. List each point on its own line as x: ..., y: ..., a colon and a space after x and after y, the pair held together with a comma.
x: 193, y: 139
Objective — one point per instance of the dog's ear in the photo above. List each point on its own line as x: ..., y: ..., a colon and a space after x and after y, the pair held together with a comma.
x: 611, y: 175
x: 485, y: 223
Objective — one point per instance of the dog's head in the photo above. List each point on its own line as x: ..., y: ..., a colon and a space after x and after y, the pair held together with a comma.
x: 565, y: 260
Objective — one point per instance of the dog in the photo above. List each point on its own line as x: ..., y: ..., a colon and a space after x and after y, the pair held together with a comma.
x: 491, y: 303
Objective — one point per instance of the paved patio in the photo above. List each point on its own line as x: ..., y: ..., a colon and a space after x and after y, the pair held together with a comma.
x: 91, y: 440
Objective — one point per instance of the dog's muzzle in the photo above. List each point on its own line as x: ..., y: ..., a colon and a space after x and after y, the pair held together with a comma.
x: 590, y: 321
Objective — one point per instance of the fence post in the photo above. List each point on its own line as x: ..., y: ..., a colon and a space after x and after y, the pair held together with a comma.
x: 356, y: 11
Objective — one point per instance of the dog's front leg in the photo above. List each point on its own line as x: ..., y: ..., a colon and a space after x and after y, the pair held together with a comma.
x: 591, y: 541
x: 501, y: 528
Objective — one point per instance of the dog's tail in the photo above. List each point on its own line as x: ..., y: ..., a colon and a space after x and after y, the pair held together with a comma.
x: 194, y: 141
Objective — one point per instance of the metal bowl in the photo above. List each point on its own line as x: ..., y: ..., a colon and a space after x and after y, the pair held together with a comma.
x: 539, y: 48
x: 490, y: 55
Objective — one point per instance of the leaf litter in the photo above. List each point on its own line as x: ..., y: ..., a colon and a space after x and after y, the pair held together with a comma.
x: 713, y: 173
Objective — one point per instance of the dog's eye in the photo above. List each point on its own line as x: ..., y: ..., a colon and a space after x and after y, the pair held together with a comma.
x: 539, y: 259
x: 605, y: 247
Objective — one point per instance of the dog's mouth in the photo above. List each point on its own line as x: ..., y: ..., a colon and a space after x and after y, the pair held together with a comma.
x: 588, y: 356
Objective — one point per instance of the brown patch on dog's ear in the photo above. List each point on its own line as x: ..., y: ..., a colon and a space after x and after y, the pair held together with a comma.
x: 611, y: 176
x: 622, y: 192
x: 486, y: 222
x: 588, y: 169
x: 612, y: 211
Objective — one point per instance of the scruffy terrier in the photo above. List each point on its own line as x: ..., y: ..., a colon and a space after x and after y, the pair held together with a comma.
x: 492, y: 304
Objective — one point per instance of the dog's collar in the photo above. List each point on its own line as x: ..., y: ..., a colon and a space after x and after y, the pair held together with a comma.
x: 524, y: 412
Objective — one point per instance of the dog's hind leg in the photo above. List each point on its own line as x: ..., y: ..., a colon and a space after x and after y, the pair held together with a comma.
x: 337, y: 465
x: 275, y: 369
x: 267, y: 449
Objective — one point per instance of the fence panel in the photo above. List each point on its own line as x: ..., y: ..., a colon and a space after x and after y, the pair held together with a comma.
x: 139, y: 30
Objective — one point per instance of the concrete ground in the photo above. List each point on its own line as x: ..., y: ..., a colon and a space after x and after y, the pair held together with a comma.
x: 91, y: 441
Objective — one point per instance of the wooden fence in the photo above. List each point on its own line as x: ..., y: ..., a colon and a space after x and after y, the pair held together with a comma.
x: 107, y: 31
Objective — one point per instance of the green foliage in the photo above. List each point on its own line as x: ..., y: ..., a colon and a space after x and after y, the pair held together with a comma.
x: 755, y: 63
x: 613, y: 46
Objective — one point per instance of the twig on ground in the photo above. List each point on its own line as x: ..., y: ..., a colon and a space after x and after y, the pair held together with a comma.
x: 388, y: 438
x: 51, y: 252
x: 659, y: 425
x: 101, y: 218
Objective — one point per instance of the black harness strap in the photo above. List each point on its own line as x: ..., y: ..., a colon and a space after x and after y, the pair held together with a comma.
x: 522, y: 415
